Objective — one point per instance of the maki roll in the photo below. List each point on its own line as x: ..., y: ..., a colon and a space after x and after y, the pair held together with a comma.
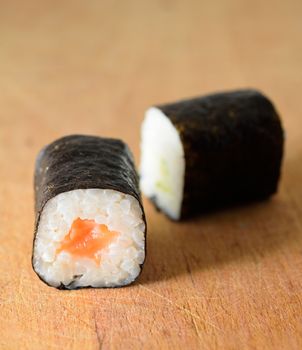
x: 90, y: 223
x: 206, y: 152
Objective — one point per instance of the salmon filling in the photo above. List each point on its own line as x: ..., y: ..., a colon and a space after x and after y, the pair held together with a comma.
x: 86, y: 238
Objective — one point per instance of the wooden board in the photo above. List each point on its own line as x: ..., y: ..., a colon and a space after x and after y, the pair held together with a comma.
x: 227, y: 280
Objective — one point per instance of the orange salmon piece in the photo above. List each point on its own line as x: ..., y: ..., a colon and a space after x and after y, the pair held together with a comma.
x: 86, y: 238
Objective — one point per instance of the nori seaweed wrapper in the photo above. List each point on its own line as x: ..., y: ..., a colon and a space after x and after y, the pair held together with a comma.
x: 233, y: 146
x: 82, y: 162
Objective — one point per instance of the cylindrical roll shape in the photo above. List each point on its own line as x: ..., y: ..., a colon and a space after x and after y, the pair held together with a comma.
x: 90, y: 223
x: 231, y: 146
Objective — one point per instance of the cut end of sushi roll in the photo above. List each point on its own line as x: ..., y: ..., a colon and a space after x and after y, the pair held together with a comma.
x: 162, y: 166
x: 90, y: 238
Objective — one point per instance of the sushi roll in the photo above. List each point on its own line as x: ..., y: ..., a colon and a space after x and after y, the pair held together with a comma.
x: 90, y: 223
x: 207, y: 152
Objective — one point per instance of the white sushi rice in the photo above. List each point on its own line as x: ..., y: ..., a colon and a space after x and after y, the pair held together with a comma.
x: 119, y: 262
x: 162, y: 165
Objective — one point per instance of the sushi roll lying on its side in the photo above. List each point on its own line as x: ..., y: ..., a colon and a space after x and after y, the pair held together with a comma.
x: 90, y: 223
x: 210, y: 151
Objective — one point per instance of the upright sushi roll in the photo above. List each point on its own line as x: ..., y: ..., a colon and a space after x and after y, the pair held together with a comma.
x: 90, y: 223
x: 210, y: 151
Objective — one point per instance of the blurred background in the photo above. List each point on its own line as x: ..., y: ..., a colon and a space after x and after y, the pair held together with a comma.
x: 95, y: 66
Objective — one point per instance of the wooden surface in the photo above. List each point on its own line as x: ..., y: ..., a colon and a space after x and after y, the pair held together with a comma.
x: 227, y: 280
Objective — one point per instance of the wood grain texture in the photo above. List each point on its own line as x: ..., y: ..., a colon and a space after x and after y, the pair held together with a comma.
x: 227, y: 280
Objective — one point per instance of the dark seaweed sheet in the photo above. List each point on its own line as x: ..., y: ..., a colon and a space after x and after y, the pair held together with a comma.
x: 233, y: 145
x: 83, y: 162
